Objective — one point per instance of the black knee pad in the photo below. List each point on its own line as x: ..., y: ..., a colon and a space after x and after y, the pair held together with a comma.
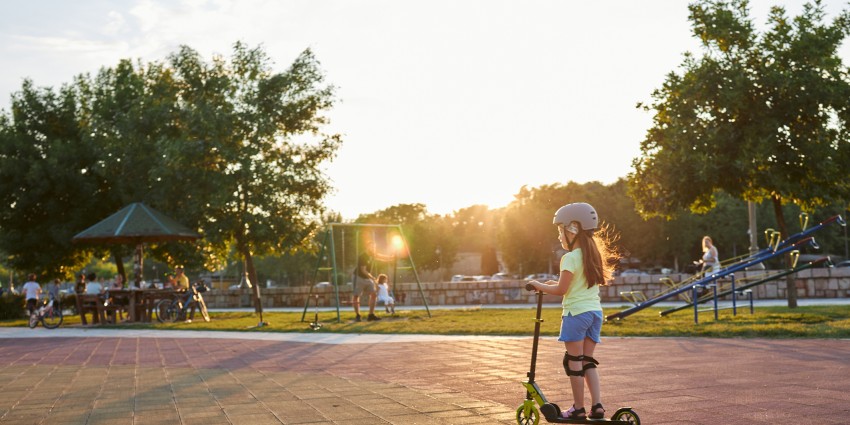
x: 590, y: 363
x: 570, y: 372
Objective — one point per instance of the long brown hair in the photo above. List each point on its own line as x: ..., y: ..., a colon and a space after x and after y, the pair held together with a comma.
x: 599, y: 258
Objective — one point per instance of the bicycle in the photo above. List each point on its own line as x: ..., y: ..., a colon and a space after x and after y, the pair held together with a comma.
x: 49, y: 313
x: 172, y: 310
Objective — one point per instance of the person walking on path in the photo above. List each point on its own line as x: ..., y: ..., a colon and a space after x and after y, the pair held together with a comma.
x: 587, y: 265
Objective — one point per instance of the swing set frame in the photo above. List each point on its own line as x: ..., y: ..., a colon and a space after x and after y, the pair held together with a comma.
x: 329, y: 247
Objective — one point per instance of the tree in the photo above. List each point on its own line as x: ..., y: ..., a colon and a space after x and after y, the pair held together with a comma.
x: 760, y: 117
x: 47, y: 187
x: 528, y: 239
x: 125, y: 111
x: 231, y: 148
x: 247, y: 164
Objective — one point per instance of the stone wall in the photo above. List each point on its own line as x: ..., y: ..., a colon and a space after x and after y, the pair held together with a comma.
x: 811, y: 283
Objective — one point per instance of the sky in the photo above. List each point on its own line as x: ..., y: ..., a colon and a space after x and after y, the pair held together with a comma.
x: 448, y: 103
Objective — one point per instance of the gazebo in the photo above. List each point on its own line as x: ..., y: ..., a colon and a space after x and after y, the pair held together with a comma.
x: 136, y: 224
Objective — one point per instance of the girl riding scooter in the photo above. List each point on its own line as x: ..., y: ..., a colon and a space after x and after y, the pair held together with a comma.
x: 587, y: 265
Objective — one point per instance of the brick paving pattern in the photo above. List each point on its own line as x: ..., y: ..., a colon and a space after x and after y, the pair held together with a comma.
x: 166, y: 380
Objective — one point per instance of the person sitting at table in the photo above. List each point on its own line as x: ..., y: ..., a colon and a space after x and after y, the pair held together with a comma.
x: 182, y: 281
x: 117, y: 282
x: 170, y: 281
x: 80, y: 288
x: 122, y: 301
x: 92, y: 285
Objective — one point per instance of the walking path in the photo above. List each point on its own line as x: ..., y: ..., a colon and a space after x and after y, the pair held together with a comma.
x: 117, y: 376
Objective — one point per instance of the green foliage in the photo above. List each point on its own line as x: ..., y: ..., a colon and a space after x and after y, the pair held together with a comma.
x: 230, y: 148
x: 68, y: 302
x: 12, y: 307
x: 758, y: 116
x: 46, y: 182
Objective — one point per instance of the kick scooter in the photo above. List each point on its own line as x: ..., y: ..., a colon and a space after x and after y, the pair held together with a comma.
x: 316, y: 324
x: 528, y: 414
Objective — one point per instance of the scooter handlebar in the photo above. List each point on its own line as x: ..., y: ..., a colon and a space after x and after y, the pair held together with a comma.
x: 529, y: 287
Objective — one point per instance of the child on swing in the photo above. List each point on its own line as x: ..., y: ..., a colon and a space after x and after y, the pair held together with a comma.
x: 384, y: 294
x: 585, y: 267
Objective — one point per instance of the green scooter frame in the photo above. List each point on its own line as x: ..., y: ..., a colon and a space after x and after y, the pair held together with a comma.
x: 528, y: 413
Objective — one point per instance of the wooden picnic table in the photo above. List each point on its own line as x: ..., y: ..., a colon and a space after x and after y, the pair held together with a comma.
x: 137, y: 303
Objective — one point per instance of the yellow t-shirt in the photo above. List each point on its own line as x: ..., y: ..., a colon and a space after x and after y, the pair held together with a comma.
x: 579, y: 298
x: 183, y: 282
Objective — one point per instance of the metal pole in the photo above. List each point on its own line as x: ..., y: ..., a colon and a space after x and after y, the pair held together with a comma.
x: 846, y: 255
x: 334, y: 270
x: 696, y: 304
x: 754, y: 246
x: 714, y: 289
x: 734, y: 296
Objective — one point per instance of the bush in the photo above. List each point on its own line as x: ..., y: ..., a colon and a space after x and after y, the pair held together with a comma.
x: 12, y: 307
x: 69, y: 302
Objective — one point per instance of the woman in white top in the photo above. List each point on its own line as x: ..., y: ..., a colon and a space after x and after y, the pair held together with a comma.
x: 710, y: 257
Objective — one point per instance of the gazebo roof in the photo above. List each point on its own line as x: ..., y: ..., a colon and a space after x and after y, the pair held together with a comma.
x: 136, y: 223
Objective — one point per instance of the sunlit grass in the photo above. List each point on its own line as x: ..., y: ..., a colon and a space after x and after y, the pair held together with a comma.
x: 767, y: 322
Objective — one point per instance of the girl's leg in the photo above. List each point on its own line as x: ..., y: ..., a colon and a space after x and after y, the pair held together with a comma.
x: 576, y: 348
x: 591, y: 376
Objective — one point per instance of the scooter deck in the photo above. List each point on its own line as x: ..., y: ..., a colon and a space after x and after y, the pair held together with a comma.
x: 551, y: 413
x: 588, y: 421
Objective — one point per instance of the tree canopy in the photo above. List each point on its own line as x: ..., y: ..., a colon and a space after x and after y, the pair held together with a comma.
x: 760, y: 116
x: 231, y: 148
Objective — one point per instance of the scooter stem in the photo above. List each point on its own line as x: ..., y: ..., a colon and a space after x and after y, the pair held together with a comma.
x: 537, y: 321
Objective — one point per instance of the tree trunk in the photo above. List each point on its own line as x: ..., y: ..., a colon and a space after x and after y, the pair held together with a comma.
x: 119, y: 264
x: 790, y: 283
x: 252, y: 274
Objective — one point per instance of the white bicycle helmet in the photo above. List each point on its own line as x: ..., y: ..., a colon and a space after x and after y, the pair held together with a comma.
x: 581, y: 212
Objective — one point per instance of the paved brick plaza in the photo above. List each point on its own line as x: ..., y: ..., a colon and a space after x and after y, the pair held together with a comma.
x: 161, y: 379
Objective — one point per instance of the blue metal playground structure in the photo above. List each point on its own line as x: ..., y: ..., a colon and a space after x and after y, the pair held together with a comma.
x: 728, y: 286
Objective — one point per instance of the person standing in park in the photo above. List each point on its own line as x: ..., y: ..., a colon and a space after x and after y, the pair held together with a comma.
x: 32, y: 293
x: 364, y: 282
x: 587, y: 265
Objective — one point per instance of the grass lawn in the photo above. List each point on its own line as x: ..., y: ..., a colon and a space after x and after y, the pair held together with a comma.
x: 767, y: 322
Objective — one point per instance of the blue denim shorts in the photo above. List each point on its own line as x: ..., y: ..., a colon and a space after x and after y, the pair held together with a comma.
x: 579, y: 327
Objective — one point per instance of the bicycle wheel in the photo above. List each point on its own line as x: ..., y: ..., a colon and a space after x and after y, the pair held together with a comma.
x: 52, y: 318
x: 165, y: 311
x: 203, y: 307
x: 175, y: 311
x: 33, y: 320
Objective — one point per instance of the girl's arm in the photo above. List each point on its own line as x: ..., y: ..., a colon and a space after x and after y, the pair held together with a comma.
x: 555, y: 288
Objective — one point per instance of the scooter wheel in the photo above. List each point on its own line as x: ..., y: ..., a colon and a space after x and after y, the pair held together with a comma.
x: 550, y: 411
x: 626, y: 415
x: 532, y: 418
